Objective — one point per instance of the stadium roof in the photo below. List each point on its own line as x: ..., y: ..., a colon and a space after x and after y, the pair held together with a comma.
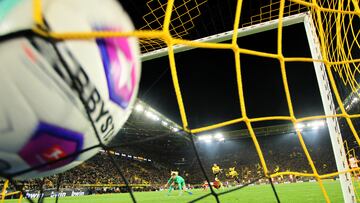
x: 148, y: 131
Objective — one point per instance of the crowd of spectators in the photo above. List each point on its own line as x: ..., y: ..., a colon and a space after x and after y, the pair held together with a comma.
x: 280, y: 155
x: 99, y: 170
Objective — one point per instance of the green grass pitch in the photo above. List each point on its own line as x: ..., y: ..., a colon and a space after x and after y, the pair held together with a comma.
x: 294, y: 192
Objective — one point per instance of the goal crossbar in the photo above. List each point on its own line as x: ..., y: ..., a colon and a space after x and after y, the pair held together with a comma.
x: 225, y: 36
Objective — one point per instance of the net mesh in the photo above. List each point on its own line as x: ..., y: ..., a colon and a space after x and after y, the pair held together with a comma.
x: 271, y: 12
x: 337, y: 25
x: 182, y: 21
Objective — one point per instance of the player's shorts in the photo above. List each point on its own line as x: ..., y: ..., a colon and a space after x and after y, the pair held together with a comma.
x: 181, y: 185
x: 217, y: 173
x: 353, y: 166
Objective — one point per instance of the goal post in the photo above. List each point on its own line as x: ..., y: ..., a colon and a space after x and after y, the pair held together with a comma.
x: 330, y: 109
x: 321, y: 75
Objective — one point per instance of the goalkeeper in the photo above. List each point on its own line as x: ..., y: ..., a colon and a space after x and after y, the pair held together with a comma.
x: 176, y: 179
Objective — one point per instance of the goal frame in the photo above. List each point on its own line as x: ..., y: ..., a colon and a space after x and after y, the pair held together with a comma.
x: 330, y: 109
x: 321, y: 75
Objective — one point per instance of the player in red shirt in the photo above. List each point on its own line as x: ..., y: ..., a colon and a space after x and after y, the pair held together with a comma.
x: 217, y: 184
x: 205, y: 186
x: 354, y: 164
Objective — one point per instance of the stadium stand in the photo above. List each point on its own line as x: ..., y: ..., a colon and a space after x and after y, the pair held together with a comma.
x: 153, y: 174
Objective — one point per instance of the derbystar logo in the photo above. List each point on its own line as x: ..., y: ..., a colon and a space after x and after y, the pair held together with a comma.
x: 72, y: 72
x: 53, y: 153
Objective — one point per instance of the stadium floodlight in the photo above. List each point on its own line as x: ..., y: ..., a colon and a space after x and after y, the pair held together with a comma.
x: 174, y: 129
x: 148, y: 114
x: 206, y: 138
x: 315, y: 127
x: 139, y: 108
x: 203, y: 137
x: 152, y: 116
x: 155, y: 118
x: 219, y: 137
x: 164, y: 123
x: 299, y: 126
x: 354, y: 100
x: 316, y: 124
x: 320, y: 123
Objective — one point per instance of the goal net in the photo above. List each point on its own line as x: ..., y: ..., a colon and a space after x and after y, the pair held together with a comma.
x: 332, y: 32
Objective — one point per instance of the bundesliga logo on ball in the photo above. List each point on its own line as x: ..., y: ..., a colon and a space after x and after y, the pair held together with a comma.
x: 56, y: 93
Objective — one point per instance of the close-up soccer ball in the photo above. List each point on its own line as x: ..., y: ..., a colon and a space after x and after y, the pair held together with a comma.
x: 46, y: 85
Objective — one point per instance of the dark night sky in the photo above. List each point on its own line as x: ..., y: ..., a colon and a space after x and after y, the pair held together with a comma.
x: 207, y: 77
x: 208, y: 81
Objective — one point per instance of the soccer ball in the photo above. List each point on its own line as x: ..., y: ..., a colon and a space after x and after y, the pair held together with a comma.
x: 46, y: 85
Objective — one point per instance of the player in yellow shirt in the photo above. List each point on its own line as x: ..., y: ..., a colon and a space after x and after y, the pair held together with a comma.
x: 216, y: 170
x: 234, y: 174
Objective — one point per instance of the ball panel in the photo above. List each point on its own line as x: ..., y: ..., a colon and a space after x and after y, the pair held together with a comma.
x: 34, y: 91
x: 4, y: 165
x: 16, y: 114
x: 11, y: 22
x: 12, y: 162
x: 50, y: 143
x: 120, y: 69
x: 87, y: 55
